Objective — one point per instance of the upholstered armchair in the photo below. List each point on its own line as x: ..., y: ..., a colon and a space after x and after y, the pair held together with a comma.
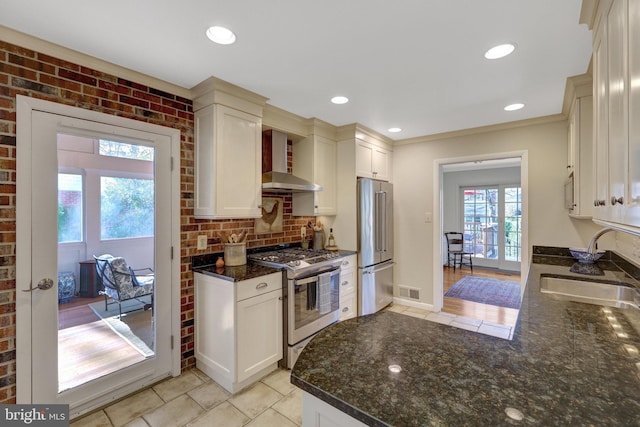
x: 121, y: 282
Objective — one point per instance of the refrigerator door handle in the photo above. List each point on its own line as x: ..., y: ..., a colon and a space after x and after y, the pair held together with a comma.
x: 381, y: 221
x: 384, y: 267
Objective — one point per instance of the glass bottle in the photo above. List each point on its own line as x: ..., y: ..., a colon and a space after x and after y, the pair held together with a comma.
x: 332, y: 240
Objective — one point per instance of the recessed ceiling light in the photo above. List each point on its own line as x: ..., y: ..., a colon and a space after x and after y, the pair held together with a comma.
x: 339, y: 99
x: 221, y: 35
x: 499, y: 51
x: 394, y: 130
x: 513, y: 107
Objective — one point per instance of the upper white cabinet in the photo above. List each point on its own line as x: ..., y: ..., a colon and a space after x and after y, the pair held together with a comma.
x: 616, y: 65
x: 372, y: 161
x: 580, y: 146
x: 315, y: 159
x: 228, y: 151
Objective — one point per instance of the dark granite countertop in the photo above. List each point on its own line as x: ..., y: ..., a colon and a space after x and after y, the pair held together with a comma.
x: 565, y: 366
x: 205, y: 264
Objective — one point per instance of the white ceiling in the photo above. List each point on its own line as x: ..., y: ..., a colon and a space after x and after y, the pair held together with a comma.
x: 413, y: 64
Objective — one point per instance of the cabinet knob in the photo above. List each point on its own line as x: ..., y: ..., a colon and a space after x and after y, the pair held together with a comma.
x: 344, y: 310
x: 345, y: 283
x: 597, y: 203
x: 345, y: 263
x: 615, y: 200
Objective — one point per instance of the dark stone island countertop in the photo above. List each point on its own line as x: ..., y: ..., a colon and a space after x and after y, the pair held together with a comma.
x: 565, y: 366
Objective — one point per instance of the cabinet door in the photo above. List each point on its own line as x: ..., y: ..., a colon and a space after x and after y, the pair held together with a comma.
x: 618, y: 107
x: 325, y: 171
x: 633, y: 203
x: 315, y: 159
x: 364, y: 159
x: 601, y: 121
x: 381, y: 163
x: 228, y: 163
x: 239, y: 165
x: 259, y: 333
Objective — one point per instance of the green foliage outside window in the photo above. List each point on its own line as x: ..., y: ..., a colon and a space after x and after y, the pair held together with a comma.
x: 126, y: 208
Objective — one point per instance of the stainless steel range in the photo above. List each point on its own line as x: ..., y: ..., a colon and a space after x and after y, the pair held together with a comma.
x: 312, y: 297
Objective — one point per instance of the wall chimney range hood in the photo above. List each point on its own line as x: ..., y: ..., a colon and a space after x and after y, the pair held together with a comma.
x: 278, y: 180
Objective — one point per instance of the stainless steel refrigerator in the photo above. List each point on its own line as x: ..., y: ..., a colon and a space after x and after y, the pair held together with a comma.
x: 375, y: 245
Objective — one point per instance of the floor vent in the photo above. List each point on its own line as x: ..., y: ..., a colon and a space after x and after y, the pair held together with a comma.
x: 408, y: 292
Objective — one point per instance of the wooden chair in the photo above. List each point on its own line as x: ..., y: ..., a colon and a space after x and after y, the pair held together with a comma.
x: 456, y: 252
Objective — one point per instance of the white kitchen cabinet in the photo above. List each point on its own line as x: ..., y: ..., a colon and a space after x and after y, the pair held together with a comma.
x: 580, y: 156
x: 228, y: 163
x: 317, y: 413
x: 372, y: 161
x: 238, y: 328
x: 348, y: 288
x: 315, y: 159
x: 616, y: 63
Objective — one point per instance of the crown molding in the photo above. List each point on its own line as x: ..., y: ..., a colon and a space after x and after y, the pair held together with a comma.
x: 576, y: 87
x: 483, y: 129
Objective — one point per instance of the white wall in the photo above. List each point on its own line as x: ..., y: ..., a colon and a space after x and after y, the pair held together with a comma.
x: 549, y: 223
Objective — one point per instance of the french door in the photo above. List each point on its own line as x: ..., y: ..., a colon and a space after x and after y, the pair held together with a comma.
x: 492, y: 224
x: 89, y: 363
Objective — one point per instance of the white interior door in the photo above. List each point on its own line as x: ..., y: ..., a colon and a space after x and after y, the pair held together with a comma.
x: 38, y: 310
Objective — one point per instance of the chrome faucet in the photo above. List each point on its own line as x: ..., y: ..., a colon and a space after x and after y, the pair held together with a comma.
x: 594, y: 239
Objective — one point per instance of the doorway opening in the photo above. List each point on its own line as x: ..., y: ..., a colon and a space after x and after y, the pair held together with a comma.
x: 105, y: 205
x: 485, y: 198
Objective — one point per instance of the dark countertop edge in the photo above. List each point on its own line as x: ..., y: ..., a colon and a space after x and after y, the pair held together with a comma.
x: 237, y: 273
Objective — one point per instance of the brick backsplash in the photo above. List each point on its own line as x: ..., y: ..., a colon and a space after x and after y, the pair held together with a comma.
x: 29, y: 73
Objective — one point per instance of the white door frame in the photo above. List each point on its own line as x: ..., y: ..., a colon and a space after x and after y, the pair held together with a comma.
x: 437, y: 216
x: 25, y: 107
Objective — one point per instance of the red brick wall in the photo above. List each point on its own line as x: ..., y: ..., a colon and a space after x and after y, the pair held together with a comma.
x: 29, y: 73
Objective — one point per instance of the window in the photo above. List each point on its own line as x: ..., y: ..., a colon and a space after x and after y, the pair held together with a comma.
x: 125, y: 151
x: 512, y: 222
x: 492, y: 222
x: 69, y: 208
x: 126, y: 207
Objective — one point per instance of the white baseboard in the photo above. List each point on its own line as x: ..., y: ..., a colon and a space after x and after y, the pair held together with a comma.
x: 413, y: 303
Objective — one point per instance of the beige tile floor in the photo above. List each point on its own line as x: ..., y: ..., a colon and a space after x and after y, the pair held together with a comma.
x: 193, y: 399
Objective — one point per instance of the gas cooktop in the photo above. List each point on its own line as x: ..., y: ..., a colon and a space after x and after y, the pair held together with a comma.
x: 298, y: 261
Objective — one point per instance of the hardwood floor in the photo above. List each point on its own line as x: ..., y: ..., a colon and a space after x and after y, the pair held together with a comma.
x: 474, y: 310
x: 88, y: 348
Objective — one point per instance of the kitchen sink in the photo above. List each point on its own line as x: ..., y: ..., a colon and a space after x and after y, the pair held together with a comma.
x: 599, y: 293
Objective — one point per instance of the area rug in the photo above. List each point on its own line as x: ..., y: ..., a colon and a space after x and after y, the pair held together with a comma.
x: 486, y: 291
x: 133, y: 327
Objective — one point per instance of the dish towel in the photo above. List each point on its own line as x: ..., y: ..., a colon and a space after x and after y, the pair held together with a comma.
x: 324, y: 293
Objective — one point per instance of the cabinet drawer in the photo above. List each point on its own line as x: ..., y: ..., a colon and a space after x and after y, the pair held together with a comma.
x: 347, y: 281
x: 349, y: 262
x: 258, y: 286
x: 348, y: 307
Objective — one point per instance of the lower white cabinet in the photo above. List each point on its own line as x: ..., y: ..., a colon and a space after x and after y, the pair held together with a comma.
x: 238, y: 328
x: 348, y: 294
x: 316, y: 413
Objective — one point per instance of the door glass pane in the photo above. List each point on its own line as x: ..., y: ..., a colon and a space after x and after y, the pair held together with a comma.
x: 481, y: 222
x: 104, y: 325
x: 69, y: 208
x: 512, y: 222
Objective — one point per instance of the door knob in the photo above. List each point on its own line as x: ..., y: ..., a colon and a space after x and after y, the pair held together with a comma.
x: 43, y: 284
